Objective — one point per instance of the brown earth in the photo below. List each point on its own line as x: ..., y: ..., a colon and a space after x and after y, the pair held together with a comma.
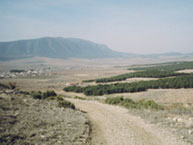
x: 112, y: 125
x: 24, y: 120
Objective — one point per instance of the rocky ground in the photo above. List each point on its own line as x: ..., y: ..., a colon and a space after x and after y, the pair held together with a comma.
x: 179, y: 121
x: 24, y: 120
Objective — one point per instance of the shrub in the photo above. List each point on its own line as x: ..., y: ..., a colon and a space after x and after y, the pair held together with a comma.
x: 130, y: 104
x: 65, y: 104
x: 58, y: 98
x: 149, y: 104
x: 45, y: 95
x: 114, y: 101
x: 12, y: 85
x: 49, y: 93
x: 17, y: 70
x: 37, y: 95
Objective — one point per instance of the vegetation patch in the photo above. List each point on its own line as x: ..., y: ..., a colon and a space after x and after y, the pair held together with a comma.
x: 17, y: 71
x: 130, y: 104
x: 10, y: 139
x: 171, y: 66
x: 185, y: 81
x: 11, y: 86
x: 140, y: 74
x: 66, y: 104
x: 162, y: 70
x: 51, y: 95
x: 43, y: 95
x: 114, y: 101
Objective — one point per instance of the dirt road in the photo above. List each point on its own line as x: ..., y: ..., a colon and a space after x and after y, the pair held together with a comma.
x: 113, y: 125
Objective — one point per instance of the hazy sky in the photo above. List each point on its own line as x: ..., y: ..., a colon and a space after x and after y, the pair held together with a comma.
x: 135, y: 26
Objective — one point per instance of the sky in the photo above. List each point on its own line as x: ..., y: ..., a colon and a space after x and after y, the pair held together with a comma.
x: 134, y: 26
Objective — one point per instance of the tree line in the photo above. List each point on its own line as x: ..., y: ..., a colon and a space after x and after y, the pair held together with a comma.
x: 140, y: 74
x: 171, y: 66
x: 160, y: 71
x: 185, y: 81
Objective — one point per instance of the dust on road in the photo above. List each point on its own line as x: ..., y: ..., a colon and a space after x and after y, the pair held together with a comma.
x: 113, y: 125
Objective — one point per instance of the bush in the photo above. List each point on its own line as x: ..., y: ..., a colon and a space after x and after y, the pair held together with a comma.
x: 114, y: 101
x: 12, y: 85
x: 37, y: 95
x: 130, y: 104
x: 149, y: 104
x: 58, y: 98
x: 44, y: 95
x: 49, y: 93
x: 65, y: 104
x: 17, y: 70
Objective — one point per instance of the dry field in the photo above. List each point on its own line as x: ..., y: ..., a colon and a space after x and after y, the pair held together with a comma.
x: 162, y: 96
x: 66, y: 72
x: 186, y: 71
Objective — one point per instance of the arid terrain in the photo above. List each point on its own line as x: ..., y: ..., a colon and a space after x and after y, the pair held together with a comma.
x: 25, y: 120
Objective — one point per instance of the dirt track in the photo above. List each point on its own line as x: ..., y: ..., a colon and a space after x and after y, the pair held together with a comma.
x: 112, y: 125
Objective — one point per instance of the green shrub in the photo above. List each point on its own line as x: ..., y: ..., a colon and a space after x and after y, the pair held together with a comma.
x: 49, y: 93
x: 43, y: 95
x: 149, y: 104
x: 65, y: 104
x: 57, y: 98
x: 37, y: 95
x: 114, y: 101
x: 130, y: 104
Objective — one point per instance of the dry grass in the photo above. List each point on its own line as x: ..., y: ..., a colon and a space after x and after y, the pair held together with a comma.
x: 163, y: 96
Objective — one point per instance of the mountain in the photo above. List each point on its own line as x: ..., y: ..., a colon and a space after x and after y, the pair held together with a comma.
x: 56, y: 48
x: 63, y: 48
x: 169, y: 55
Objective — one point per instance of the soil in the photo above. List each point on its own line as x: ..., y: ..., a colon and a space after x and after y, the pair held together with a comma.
x: 24, y: 120
x: 113, y: 125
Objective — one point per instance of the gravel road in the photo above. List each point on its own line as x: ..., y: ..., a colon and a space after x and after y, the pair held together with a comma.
x: 113, y: 125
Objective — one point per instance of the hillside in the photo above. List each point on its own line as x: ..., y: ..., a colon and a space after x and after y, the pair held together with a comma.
x: 55, y: 48
x: 63, y: 48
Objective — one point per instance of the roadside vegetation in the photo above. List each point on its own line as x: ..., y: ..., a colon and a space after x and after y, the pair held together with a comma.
x: 130, y: 104
x: 51, y: 95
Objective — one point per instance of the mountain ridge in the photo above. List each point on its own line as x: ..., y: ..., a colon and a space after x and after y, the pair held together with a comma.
x: 56, y: 47
x: 64, y: 48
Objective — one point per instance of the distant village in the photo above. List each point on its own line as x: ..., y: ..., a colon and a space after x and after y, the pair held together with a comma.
x: 22, y: 73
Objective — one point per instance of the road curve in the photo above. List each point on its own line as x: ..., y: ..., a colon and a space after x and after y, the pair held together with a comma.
x: 113, y: 125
